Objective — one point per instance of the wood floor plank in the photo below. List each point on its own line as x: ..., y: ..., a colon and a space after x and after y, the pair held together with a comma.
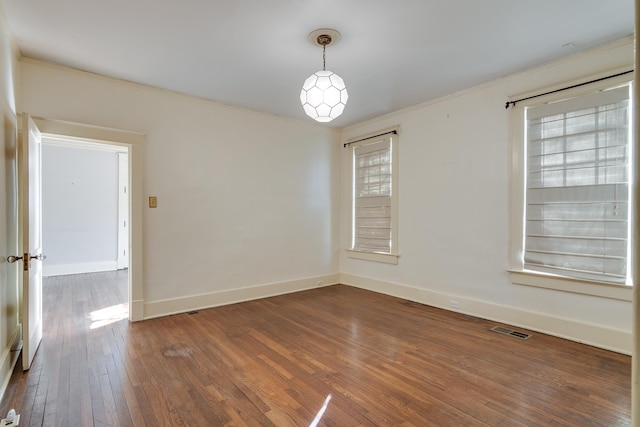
x: 380, y: 361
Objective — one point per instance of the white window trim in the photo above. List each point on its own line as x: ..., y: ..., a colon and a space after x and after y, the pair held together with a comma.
x: 517, y: 157
x: 373, y: 256
x: 568, y: 284
x: 393, y: 255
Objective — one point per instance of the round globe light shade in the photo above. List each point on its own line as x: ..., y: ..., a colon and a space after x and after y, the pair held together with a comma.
x: 324, y: 96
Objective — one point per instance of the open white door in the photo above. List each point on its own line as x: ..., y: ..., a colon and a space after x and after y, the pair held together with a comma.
x: 29, y: 157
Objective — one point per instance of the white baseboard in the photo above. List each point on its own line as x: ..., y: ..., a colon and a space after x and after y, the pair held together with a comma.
x: 616, y: 340
x: 166, y: 307
x: 86, y: 267
x: 8, y: 359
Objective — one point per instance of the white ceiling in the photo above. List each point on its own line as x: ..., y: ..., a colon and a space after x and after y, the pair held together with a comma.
x: 255, y: 53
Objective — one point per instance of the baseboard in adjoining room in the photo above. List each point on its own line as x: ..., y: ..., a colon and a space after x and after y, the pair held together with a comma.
x: 167, y: 307
x: 611, y: 339
x: 79, y: 268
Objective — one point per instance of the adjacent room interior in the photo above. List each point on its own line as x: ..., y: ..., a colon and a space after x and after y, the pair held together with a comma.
x: 85, y: 207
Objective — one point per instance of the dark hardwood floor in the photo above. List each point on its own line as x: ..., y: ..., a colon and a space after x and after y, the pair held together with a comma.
x: 274, y: 362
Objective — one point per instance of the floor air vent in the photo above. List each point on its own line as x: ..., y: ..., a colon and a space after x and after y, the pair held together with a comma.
x: 506, y: 331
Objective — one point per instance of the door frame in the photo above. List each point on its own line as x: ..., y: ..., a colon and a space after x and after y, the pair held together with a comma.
x: 135, y: 142
x: 122, y: 259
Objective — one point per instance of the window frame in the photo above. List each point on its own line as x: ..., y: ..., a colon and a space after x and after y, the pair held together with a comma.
x: 517, y: 191
x: 352, y: 144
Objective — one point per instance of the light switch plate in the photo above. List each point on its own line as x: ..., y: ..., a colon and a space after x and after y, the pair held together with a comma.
x: 153, y: 202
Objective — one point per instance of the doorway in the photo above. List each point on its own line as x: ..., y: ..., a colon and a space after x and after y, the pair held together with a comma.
x: 85, y: 204
x: 134, y: 141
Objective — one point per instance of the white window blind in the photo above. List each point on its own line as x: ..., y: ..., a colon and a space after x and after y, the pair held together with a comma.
x: 576, y: 218
x: 372, y: 197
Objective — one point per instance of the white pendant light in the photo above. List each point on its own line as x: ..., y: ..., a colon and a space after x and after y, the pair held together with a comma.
x: 324, y: 95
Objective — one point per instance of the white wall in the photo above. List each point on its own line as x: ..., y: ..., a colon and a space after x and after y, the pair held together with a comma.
x: 454, y: 211
x: 9, y: 330
x: 79, y: 210
x: 247, y: 202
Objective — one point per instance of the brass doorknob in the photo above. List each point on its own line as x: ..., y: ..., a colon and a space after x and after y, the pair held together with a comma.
x: 12, y: 258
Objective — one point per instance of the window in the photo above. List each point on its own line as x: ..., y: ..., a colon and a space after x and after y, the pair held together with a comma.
x: 574, y: 162
x: 374, y: 199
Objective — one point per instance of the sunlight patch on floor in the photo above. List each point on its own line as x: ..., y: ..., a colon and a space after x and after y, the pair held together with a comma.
x: 318, y: 417
x: 109, y: 315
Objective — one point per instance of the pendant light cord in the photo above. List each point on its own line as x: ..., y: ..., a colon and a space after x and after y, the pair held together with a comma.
x: 324, y: 57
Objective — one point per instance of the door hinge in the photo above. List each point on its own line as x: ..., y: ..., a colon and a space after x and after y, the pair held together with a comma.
x: 25, y: 262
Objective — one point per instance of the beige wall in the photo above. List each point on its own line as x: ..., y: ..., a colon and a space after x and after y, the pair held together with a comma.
x: 9, y: 331
x: 454, y: 210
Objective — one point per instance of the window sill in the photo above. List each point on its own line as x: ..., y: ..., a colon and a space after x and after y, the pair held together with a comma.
x: 567, y: 284
x: 373, y: 256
